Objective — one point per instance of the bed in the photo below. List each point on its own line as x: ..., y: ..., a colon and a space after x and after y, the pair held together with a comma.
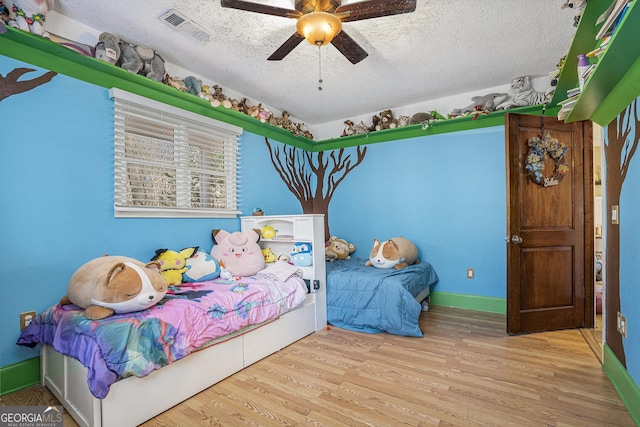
x: 373, y: 300
x: 199, y: 334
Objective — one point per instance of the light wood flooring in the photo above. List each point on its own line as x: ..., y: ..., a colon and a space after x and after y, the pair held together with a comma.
x: 466, y: 371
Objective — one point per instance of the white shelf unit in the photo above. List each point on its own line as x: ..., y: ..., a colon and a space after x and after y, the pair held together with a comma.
x: 291, y: 229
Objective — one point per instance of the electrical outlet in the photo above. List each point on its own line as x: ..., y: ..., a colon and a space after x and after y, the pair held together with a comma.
x: 26, y: 318
x: 621, y: 325
x: 470, y: 273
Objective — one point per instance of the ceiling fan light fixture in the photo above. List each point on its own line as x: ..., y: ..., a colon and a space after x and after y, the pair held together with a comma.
x: 319, y: 28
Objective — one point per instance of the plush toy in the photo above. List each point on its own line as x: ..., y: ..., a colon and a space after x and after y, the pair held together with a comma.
x: 29, y: 15
x: 524, y: 94
x: 301, y: 255
x: 200, y: 267
x: 136, y: 59
x: 115, y: 284
x: 173, y: 264
x: 488, y: 102
x: 239, y: 252
x: 268, y: 232
x: 336, y: 248
x: 194, y: 86
x: 403, y: 121
x: 108, y: 48
x: 397, y: 252
x: 284, y: 257
x: 386, y: 121
x: 349, y: 128
x: 269, y: 255
x: 425, y: 119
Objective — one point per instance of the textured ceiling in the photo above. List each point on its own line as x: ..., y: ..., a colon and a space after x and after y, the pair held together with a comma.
x: 443, y: 48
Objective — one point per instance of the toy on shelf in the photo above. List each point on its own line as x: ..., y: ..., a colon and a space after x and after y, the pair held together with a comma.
x: 301, y: 254
x: 268, y: 232
x: 269, y: 255
x: 524, y: 94
x: 136, y: 59
x: 29, y: 15
x: 488, y: 103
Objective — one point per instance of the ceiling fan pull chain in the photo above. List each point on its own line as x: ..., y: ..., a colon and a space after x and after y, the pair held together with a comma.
x: 319, y: 68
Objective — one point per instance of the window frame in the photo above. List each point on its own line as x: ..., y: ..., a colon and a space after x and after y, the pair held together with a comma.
x: 227, y: 141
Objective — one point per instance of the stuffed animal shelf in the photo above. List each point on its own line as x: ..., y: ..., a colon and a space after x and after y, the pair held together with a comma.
x: 337, y: 248
x: 396, y: 252
x: 115, y: 284
x: 238, y: 252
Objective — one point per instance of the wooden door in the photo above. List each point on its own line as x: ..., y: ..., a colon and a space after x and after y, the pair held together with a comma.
x: 549, y: 227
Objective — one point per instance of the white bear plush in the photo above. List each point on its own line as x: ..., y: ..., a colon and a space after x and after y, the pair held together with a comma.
x: 29, y: 15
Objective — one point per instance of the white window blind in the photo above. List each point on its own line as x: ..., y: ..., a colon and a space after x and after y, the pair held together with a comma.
x: 170, y: 162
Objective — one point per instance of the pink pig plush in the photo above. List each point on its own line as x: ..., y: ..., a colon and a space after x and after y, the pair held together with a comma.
x: 238, y: 252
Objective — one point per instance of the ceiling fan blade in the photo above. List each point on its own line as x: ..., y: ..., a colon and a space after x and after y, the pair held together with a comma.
x: 374, y: 9
x: 349, y: 48
x: 261, y: 8
x: 286, y: 47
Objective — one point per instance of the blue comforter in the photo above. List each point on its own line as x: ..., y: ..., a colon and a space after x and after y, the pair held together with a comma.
x: 372, y: 300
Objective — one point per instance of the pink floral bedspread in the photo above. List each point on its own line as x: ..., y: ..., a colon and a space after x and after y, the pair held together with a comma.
x: 189, y: 317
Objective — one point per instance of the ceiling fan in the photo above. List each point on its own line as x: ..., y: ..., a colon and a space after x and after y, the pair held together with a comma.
x: 320, y: 21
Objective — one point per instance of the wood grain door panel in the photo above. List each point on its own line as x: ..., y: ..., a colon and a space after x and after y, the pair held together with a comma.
x: 547, y: 270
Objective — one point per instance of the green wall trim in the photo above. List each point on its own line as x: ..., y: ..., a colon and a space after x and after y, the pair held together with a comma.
x: 627, y: 389
x: 19, y: 375
x: 44, y: 53
x: 470, y: 302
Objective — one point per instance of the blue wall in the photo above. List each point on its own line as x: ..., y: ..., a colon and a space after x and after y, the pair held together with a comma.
x: 57, y: 209
x: 446, y: 193
x: 629, y: 250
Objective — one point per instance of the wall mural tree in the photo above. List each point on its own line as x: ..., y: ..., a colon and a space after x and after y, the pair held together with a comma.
x: 623, y: 135
x: 297, y: 167
x: 10, y: 85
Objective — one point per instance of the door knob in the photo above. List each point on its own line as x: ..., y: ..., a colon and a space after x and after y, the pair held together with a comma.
x: 516, y: 239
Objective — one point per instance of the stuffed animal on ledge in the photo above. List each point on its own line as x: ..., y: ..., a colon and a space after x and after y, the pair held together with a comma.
x: 387, y: 121
x: 524, y: 94
x: 396, y: 252
x: 136, y: 59
x: 29, y: 15
x: 337, y: 248
x: 487, y: 103
x: 115, y: 284
x: 173, y: 264
x: 238, y: 252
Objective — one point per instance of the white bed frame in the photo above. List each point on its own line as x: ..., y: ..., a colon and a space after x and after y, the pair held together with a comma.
x: 133, y: 400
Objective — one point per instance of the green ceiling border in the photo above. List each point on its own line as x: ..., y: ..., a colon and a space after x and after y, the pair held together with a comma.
x: 44, y: 53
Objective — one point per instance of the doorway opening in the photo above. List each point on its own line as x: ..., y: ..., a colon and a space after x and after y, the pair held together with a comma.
x: 595, y: 335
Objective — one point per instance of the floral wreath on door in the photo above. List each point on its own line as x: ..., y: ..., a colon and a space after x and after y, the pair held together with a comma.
x: 539, y: 147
